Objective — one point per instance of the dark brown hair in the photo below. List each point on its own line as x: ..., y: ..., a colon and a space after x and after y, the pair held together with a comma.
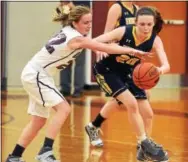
x: 157, y: 16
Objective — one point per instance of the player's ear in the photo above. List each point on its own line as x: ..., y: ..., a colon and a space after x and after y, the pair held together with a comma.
x: 74, y: 24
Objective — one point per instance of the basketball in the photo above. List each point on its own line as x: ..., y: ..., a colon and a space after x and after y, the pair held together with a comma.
x: 145, y: 75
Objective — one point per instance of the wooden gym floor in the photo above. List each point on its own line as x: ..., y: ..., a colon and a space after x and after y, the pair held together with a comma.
x: 170, y: 128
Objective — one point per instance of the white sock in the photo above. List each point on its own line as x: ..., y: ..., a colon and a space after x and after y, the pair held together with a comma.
x: 91, y: 125
x: 141, y: 138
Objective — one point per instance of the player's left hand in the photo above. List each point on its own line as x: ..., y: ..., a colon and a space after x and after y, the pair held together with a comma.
x: 100, y: 55
x: 159, y: 70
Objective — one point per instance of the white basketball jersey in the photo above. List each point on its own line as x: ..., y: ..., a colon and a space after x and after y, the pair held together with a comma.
x: 56, y: 54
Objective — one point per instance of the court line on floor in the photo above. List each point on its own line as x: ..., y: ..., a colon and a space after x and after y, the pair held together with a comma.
x: 11, y: 118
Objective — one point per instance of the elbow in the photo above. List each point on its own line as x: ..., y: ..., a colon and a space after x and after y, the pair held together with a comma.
x: 83, y: 42
x: 167, y: 68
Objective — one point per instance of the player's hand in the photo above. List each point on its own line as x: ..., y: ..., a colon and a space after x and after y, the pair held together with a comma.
x: 100, y: 55
x: 160, y: 71
x: 141, y: 54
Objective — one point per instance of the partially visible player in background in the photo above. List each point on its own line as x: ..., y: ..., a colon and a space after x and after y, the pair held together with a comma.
x: 37, y: 79
x: 121, y: 13
x: 114, y: 75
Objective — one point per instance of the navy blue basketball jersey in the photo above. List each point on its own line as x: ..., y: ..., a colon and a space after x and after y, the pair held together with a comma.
x: 127, y: 15
x: 129, y: 39
x: 126, y: 62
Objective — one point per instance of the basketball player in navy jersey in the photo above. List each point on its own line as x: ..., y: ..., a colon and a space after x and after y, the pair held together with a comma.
x: 123, y: 13
x: 37, y: 79
x: 114, y: 75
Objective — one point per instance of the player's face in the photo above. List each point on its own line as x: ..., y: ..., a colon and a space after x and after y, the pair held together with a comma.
x: 145, y: 24
x: 84, y: 25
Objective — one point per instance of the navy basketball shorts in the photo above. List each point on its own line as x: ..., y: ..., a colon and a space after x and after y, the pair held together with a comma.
x: 115, y: 83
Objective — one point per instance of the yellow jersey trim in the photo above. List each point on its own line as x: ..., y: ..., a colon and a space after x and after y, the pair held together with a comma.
x: 131, y: 9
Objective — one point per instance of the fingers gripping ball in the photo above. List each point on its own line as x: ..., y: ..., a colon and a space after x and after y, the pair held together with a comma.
x: 146, y: 75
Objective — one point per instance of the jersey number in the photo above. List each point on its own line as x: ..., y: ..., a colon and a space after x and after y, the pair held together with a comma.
x: 127, y: 59
x: 56, y: 40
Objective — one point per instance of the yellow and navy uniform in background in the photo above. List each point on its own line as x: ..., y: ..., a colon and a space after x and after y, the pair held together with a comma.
x: 114, y: 73
x: 127, y: 15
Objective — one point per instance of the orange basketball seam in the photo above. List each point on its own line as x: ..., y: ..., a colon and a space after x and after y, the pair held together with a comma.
x: 146, y: 72
x: 157, y: 76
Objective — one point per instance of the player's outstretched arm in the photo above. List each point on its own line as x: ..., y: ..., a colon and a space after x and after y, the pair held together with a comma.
x: 84, y: 42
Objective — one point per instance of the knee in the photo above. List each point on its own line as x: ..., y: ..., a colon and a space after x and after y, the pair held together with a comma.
x: 38, y: 122
x: 129, y: 101
x: 149, y: 115
x: 67, y: 109
x: 64, y: 109
x: 132, y: 107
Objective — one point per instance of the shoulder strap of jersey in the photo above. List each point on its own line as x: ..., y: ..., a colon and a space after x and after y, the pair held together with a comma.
x: 118, y: 2
x: 127, y: 34
x: 135, y: 8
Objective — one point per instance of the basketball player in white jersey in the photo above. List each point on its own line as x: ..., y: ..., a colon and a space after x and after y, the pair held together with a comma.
x: 37, y: 79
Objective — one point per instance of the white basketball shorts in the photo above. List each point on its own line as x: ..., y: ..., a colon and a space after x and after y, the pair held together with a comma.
x: 43, y: 94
